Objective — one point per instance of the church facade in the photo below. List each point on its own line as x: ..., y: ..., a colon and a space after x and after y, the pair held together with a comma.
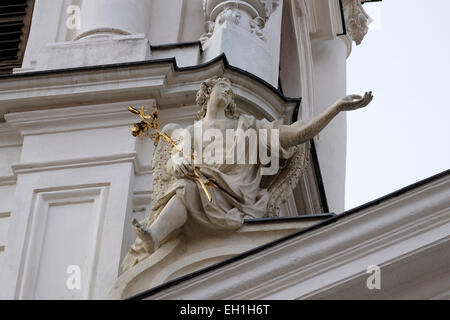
x: 72, y: 177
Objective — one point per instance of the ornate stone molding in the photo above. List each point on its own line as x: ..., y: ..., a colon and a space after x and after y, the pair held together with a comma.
x: 137, y: 82
x: 257, y: 27
x: 256, y: 11
x: 181, y: 256
x: 101, y: 33
x: 230, y: 14
x: 357, y: 20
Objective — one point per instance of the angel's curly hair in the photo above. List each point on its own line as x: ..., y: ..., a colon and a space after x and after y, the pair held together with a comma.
x: 203, y: 98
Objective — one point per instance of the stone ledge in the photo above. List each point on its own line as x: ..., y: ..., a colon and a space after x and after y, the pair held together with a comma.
x: 183, y: 256
x: 118, y: 49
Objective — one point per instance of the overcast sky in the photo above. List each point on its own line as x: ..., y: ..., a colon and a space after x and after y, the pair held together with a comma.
x: 404, y: 135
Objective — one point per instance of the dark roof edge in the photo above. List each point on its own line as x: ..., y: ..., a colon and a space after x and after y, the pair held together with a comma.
x: 344, y: 23
x: 369, y: 1
x: 333, y: 219
x: 222, y: 57
x: 290, y: 219
x: 177, y: 45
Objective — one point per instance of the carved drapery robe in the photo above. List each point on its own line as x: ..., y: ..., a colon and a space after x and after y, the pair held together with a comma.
x: 239, y: 195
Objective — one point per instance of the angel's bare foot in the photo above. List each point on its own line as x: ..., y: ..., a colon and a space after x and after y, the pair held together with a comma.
x: 145, y: 235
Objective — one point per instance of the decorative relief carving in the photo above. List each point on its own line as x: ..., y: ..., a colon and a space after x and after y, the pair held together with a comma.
x: 209, y: 27
x: 230, y: 14
x: 280, y: 187
x: 269, y: 6
x: 357, y: 20
x: 226, y: 10
x: 257, y: 27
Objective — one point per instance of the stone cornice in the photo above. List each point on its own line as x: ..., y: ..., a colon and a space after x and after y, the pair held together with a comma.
x: 8, y: 180
x: 161, y: 80
x: 30, y: 167
x: 8, y: 137
x: 74, y: 118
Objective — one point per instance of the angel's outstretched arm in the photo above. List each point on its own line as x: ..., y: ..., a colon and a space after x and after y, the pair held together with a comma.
x: 298, y: 132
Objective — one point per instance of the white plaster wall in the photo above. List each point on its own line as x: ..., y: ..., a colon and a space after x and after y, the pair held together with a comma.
x: 93, y: 201
x: 77, y: 144
x: 93, y: 52
x: 160, y: 21
x: 72, y: 201
x: 6, y: 193
x: 193, y: 21
x: 48, y: 26
x: 273, y: 36
x: 185, y: 56
x: 129, y: 16
x: 329, y: 86
x: 10, y: 149
x: 66, y: 222
x: 290, y: 60
x: 6, y: 201
x: 8, y: 156
x: 166, y: 21
x: 1, y: 256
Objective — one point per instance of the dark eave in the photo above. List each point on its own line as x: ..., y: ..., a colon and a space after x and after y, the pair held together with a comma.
x: 176, y: 45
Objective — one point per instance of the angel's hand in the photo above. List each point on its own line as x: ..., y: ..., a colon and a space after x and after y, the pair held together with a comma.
x: 182, y: 167
x: 354, y: 101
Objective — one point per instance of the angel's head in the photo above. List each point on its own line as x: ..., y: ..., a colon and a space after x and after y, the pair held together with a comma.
x: 216, y: 92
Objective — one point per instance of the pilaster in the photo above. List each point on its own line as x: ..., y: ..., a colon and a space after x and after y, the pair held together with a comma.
x: 72, y: 201
x: 240, y: 30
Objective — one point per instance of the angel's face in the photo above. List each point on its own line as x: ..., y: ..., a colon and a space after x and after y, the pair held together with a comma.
x: 220, y: 95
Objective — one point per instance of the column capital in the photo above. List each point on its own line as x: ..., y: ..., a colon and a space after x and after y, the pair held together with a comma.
x: 219, y: 11
x: 261, y: 8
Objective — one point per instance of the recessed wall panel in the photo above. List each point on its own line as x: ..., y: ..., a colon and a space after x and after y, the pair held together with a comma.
x: 67, y: 246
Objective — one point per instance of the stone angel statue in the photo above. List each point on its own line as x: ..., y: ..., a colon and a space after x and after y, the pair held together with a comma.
x: 237, y: 188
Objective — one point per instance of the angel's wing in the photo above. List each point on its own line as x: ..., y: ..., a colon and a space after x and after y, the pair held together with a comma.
x: 161, y: 178
x: 280, y: 185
